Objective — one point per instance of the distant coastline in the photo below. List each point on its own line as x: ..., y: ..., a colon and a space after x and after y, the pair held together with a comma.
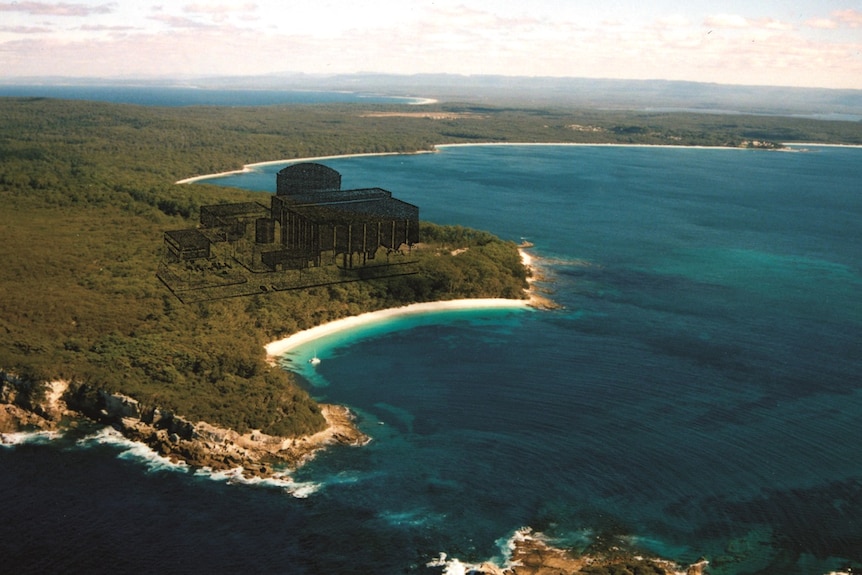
x: 815, y: 144
x: 184, y: 95
x: 250, y: 167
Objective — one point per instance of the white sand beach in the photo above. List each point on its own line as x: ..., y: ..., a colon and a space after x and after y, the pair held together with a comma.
x: 586, y: 145
x: 282, y: 346
x: 278, y: 348
x: 250, y: 167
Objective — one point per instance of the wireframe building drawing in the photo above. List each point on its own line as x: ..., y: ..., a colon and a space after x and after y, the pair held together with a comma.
x: 317, y: 217
x: 310, y: 223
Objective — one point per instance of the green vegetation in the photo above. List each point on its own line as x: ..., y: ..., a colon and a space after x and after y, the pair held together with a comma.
x: 87, y: 191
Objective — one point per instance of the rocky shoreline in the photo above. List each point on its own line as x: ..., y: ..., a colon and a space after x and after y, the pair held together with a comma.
x: 53, y: 406
x: 28, y: 406
x: 532, y: 554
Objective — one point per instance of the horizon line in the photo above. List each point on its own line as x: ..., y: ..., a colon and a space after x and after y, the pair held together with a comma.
x: 286, y: 75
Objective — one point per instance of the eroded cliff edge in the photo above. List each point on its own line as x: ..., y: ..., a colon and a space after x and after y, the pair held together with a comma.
x: 28, y: 405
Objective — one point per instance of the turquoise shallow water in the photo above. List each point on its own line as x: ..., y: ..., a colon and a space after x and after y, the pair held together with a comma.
x: 697, y: 395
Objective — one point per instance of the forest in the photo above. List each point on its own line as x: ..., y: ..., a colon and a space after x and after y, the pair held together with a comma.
x: 88, y: 188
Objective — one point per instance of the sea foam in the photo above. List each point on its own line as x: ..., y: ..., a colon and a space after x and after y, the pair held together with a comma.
x: 451, y: 566
x: 139, y: 452
x: 132, y: 450
x: 235, y: 476
x: 25, y: 437
x: 506, y: 545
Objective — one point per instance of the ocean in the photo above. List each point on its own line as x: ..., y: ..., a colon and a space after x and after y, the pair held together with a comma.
x: 180, y: 96
x: 696, y: 395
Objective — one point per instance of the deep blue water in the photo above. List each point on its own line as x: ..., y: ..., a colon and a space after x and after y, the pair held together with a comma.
x: 698, y: 394
x: 182, y: 96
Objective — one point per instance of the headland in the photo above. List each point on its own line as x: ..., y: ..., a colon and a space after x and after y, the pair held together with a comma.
x: 201, y: 444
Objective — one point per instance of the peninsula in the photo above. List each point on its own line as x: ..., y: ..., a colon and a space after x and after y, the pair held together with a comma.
x: 183, y: 369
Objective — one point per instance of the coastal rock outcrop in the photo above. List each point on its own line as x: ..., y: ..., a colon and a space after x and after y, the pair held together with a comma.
x: 29, y: 405
x: 532, y: 554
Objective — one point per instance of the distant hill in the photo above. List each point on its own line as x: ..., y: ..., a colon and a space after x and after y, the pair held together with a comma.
x: 582, y: 92
x: 659, y: 95
x: 522, y: 91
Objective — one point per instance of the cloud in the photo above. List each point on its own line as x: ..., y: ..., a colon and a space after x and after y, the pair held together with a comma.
x: 57, y: 9
x: 436, y: 37
x: 822, y: 23
x: 102, y: 28
x: 770, y: 24
x: 179, y: 21
x: 199, y: 16
x: 727, y: 21
x: 673, y: 21
x: 219, y: 8
x: 741, y: 22
x: 842, y: 18
x: 851, y: 18
x: 25, y: 29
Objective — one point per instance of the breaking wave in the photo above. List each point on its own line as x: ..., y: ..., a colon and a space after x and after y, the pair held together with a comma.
x: 28, y: 437
x: 235, y: 476
x: 131, y: 450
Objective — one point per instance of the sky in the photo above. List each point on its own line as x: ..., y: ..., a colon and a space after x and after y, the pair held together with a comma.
x: 809, y: 43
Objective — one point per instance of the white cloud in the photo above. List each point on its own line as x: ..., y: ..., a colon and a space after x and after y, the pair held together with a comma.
x: 673, y: 21
x: 25, y: 29
x: 735, y: 21
x: 851, y: 18
x: 56, y: 9
x: 821, y: 23
x: 180, y: 22
x: 770, y: 24
x: 727, y: 21
x: 103, y: 28
x: 219, y: 8
x: 454, y: 36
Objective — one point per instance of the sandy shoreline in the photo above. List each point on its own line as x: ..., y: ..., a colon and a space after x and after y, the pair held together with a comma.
x: 282, y: 346
x: 279, y: 347
x: 589, y: 145
x: 815, y: 144
x: 249, y: 167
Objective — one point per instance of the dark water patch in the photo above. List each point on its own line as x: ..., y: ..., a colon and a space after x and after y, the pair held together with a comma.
x: 80, y: 512
x: 821, y: 521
